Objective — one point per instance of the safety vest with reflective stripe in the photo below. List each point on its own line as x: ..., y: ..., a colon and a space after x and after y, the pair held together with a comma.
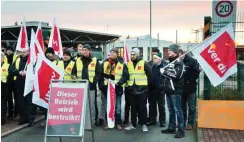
x: 91, y: 69
x: 138, y: 74
x: 14, y: 58
x: 118, y: 72
x: 4, y: 73
x: 55, y: 62
x: 17, y: 61
x: 68, y: 69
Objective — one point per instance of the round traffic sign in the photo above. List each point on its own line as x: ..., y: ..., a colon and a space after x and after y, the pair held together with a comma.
x: 224, y: 8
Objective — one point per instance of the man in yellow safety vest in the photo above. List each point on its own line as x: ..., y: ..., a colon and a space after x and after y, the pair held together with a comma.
x: 115, y: 69
x: 137, y: 87
x: 88, y: 67
x: 4, y: 88
x: 67, y: 65
x: 12, y: 106
x: 79, y: 51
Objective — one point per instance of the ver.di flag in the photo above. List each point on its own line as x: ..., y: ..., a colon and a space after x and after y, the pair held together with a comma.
x: 22, y: 43
x: 45, y: 70
x: 126, y: 54
x: 32, y: 57
x: 111, y: 100
x: 55, y: 40
x: 217, y: 55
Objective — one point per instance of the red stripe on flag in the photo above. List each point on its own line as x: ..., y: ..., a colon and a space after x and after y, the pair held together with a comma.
x: 23, y: 37
x: 40, y: 38
x: 55, y: 42
x: 112, y: 101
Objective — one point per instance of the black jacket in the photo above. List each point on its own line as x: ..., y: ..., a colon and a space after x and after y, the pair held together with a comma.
x: 157, y: 78
x: 150, y: 80
x: 20, y: 81
x: 135, y: 89
x: 174, y: 77
x: 191, y: 74
x: 123, y: 79
x: 98, y: 71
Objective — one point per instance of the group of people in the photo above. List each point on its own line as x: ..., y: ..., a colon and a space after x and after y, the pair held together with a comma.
x: 140, y: 81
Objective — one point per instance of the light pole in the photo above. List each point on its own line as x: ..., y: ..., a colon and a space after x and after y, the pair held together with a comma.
x: 150, y: 30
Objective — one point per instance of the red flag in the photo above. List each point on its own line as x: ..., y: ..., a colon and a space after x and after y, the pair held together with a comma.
x: 55, y: 40
x: 217, y: 55
x: 32, y: 57
x: 126, y: 54
x: 45, y: 71
x: 39, y: 36
x: 111, y: 100
x: 22, y: 43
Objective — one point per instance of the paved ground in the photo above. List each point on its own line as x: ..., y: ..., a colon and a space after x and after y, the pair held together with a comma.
x: 220, y: 135
x: 36, y: 134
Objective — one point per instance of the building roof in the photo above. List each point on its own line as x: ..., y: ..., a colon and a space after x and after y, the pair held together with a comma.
x: 11, y: 33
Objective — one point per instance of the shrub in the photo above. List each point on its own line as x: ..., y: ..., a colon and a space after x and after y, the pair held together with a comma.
x: 226, y: 94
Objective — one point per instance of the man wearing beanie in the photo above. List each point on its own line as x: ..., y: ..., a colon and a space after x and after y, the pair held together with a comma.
x: 115, y: 69
x: 50, y: 55
x: 190, y: 87
x: 158, y: 95
x: 12, y: 107
x: 27, y: 110
x: 137, y: 86
x: 67, y: 65
x: 88, y: 67
x: 151, y: 99
x: 173, y: 87
x: 4, y: 88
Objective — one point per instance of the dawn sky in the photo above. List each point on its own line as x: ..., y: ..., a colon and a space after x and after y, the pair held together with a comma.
x: 123, y: 17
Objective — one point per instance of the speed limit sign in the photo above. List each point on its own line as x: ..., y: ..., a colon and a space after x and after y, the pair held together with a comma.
x: 224, y: 8
x: 223, y: 12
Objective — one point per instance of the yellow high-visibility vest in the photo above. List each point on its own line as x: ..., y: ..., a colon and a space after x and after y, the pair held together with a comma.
x: 138, y: 74
x: 4, y: 72
x: 17, y: 61
x: 68, y: 69
x: 14, y: 58
x: 118, y: 72
x: 91, y: 69
x: 55, y: 62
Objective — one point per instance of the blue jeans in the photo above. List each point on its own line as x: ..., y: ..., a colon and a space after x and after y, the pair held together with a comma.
x: 118, y: 119
x: 190, y: 101
x: 174, y: 106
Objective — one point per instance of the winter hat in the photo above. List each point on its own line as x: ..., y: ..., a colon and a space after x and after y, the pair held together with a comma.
x: 136, y: 50
x: 87, y: 46
x: 158, y: 56
x: 155, y: 50
x: 116, y: 50
x: 49, y: 50
x: 67, y: 52
x: 10, y: 48
x: 174, y: 48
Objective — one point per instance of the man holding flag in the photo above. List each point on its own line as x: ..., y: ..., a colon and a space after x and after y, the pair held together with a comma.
x: 27, y: 110
x: 173, y: 87
x: 114, y: 69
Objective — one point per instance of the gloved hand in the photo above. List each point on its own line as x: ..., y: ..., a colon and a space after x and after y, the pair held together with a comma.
x: 162, y: 70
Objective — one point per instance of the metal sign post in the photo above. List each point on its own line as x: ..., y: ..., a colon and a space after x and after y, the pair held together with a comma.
x: 67, y: 111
